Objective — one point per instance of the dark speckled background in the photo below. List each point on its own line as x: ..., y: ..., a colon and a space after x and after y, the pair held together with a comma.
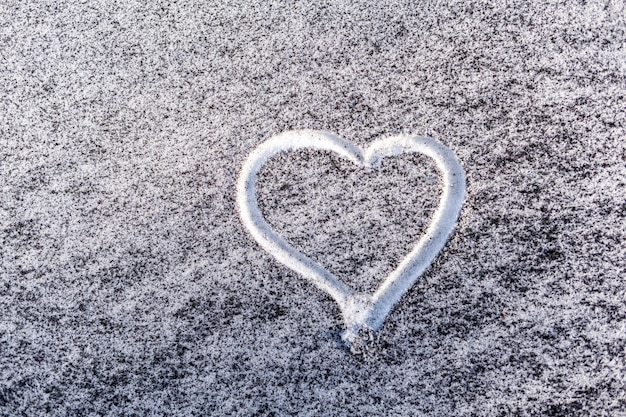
x: 129, y: 287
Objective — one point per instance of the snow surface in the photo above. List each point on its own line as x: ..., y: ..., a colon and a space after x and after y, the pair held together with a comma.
x: 129, y: 286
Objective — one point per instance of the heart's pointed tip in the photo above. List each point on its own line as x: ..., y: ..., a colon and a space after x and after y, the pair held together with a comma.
x: 359, y: 338
x: 357, y: 309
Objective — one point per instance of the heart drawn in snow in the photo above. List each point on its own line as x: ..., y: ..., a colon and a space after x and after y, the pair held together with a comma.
x: 360, y: 311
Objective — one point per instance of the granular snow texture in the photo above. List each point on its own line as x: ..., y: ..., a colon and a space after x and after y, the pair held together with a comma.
x: 128, y: 285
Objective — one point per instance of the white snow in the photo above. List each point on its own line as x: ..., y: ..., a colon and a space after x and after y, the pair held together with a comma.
x: 130, y: 286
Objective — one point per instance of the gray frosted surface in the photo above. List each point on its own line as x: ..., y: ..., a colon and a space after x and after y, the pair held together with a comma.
x: 128, y: 285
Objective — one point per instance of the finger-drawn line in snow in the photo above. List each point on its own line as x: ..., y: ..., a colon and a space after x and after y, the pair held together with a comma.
x: 362, y: 313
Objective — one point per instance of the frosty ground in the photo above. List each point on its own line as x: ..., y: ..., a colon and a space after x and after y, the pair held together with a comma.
x: 128, y: 285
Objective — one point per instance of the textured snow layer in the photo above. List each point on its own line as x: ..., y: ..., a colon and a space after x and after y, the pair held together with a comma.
x: 129, y: 286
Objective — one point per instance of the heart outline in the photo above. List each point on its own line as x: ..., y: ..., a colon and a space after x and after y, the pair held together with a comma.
x: 360, y: 311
